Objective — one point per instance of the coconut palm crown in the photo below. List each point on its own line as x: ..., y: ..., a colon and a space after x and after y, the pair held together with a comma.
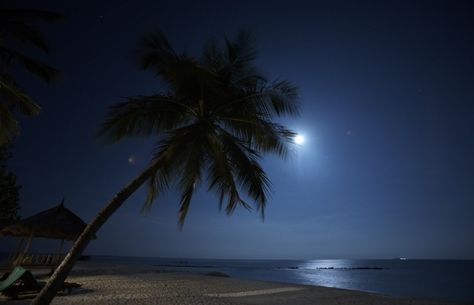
x: 212, y: 125
x: 16, y: 29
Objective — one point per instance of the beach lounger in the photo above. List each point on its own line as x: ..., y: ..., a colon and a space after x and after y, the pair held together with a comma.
x: 22, y: 281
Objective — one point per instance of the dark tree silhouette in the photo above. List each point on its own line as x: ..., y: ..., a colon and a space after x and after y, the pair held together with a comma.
x: 9, y: 191
x: 17, y: 27
x: 213, y: 125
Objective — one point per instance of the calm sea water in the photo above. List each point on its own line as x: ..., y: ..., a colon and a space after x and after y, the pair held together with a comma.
x: 451, y: 280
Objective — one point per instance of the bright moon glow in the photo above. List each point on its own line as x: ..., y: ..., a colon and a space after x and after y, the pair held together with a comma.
x: 299, y: 139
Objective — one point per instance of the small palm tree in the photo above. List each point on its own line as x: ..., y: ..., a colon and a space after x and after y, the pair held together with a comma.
x: 213, y: 125
x: 17, y: 26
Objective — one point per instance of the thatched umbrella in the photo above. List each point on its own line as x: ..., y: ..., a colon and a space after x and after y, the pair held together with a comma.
x: 55, y: 223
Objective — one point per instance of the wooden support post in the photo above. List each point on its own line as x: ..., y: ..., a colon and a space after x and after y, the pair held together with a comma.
x: 61, y: 246
x: 14, y: 257
x: 21, y: 257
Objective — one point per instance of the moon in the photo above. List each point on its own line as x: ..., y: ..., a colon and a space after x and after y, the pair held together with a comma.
x: 299, y: 139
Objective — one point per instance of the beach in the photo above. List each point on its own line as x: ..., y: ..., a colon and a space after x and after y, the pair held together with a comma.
x: 121, y: 284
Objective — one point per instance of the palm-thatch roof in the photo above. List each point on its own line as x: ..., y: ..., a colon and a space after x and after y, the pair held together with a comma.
x: 56, y: 223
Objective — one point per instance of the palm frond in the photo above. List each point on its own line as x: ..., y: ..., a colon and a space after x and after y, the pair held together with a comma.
x: 234, y: 64
x: 34, y: 66
x: 171, y: 153
x: 16, y: 23
x: 213, y: 57
x: 248, y: 172
x: 154, y: 51
x: 279, y: 98
x: 14, y: 97
x: 284, y: 98
x: 274, y: 138
x: 181, y: 155
x: 190, y: 176
x: 262, y: 100
x: 260, y: 134
x: 142, y: 116
x: 221, y: 176
x: 157, y: 184
x: 8, y: 125
x: 181, y: 73
x: 242, y: 52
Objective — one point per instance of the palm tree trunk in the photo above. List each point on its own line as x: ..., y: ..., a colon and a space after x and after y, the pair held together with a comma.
x: 60, y: 274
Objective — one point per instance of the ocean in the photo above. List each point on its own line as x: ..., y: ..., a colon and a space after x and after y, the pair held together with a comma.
x: 451, y: 280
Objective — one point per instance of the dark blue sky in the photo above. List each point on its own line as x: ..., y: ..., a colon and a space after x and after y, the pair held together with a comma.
x: 388, y: 113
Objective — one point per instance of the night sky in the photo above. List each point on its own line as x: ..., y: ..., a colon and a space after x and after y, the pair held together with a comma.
x: 386, y: 171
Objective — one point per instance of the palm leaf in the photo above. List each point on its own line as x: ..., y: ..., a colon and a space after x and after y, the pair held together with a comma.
x: 191, y: 176
x: 221, y: 176
x: 15, y: 98
x: 249, y: 174
x: 8, y: 125
x: 143, y: 116
x: 16, y: 24
x: 32, y: 65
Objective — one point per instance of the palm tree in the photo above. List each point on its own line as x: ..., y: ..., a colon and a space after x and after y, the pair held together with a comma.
x: 213, y: 125
x: 17, y: 26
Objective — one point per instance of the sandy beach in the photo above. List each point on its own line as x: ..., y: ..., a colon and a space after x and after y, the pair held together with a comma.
x: 115, y: 284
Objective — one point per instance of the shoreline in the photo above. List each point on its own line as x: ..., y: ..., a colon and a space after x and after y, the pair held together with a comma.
x: 107, y: 283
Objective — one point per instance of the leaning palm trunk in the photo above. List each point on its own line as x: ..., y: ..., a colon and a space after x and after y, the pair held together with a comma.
x: 60, y: 274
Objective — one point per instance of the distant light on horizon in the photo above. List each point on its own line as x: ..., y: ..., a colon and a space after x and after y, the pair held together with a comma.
x: 299, y: 139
